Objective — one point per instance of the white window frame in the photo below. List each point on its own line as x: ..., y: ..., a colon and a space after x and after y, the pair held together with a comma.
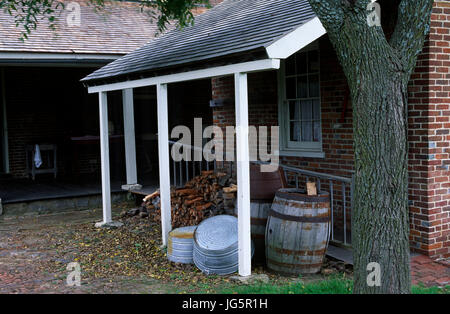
x: 300, y: 149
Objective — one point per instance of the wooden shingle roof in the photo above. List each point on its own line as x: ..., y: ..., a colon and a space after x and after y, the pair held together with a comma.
x: 118, y: 28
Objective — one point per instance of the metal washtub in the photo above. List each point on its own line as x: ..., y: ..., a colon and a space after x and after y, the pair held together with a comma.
x: 216, y: 245
x: 180, y: 245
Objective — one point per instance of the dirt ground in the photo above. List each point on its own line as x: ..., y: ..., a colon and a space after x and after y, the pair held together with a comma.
x: 36, y: 250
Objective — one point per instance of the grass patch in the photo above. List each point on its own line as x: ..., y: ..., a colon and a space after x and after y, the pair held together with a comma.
x: 430, y: 290
x: 330, y: 286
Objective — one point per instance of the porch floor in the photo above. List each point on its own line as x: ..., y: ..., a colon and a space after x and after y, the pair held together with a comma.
x: 24, y: 190
x: 147, y: 189
x: 18, y: 191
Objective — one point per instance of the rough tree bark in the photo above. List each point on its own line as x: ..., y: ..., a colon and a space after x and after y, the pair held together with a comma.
x: 378, y: 71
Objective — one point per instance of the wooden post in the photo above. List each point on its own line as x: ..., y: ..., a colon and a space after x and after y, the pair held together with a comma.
x: 104, y: 152
x: 164, y: 161
x: 129, y: 135
x: 243, y: 174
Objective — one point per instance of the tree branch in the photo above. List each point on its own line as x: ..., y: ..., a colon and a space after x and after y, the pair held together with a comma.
x: 411, y: 30
x: 330, y: 13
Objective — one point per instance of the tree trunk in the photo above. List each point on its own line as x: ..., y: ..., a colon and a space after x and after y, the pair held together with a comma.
x: 378, y: 72
x: 380, y: 223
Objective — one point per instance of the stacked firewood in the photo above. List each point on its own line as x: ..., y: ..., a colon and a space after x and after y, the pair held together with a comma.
x: 209, y: 194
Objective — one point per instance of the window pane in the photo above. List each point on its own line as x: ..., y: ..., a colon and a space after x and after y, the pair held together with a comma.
x: 294, y: 111
x: 301, y: 63
x: 314, y: 86
x: 317, y: 131
x: 316, y: 109
x: 290, y: 88
x: 306, y: 110
x: 307, y: 131
x: 302, y: 87
x: 295, y: 131
x: 313, y: 61
x: 290, y: 65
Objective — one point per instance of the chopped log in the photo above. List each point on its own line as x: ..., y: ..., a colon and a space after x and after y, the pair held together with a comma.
x: 153, y: 195
x: 231, y: 189
x: 203, y: 207
x: 185, y: 192
x: 198, y: 199
x: 311, y: 189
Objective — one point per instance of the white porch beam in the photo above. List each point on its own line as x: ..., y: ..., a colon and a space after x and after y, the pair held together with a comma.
x: 252, y: 66
x: 164, y: 161
x: 296, y: 40
x: 243, y: 174
x: 104, y: 152
x: 129, y: 136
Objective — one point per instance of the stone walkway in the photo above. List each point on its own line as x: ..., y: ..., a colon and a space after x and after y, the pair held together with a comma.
x: 428, y: 272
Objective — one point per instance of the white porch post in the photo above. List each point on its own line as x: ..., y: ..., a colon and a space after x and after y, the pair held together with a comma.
x: 129, y: 136
x: 104, y: 152
x: 164, y: 162
x: 243, y: 174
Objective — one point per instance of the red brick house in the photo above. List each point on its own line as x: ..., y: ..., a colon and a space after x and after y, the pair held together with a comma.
x: 429, y: 129
x: 305, y: 94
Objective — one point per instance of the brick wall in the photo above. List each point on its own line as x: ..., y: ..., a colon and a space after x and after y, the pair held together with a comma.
x: 429, y: 139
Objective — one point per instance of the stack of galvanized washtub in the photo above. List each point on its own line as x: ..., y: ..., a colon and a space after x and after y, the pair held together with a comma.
x: 212, y: 246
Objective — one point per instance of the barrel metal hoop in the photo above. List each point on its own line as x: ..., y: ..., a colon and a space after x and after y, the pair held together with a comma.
x: 276, y: 214
x: 319, y: 252
x: 293, y: 266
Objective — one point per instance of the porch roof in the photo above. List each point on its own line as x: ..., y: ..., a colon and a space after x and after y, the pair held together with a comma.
x: 258, y: 29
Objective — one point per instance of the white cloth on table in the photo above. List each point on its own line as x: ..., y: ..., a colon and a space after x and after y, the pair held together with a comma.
x: 37, y: 156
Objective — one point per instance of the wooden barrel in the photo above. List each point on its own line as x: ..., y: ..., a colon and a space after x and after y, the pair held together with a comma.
x: 259, y: 211
x: 297, y: 232
x: 263, y: 185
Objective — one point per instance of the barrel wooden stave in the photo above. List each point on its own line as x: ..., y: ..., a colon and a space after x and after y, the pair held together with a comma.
x: 295, y: 247
x: 259, y: 211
